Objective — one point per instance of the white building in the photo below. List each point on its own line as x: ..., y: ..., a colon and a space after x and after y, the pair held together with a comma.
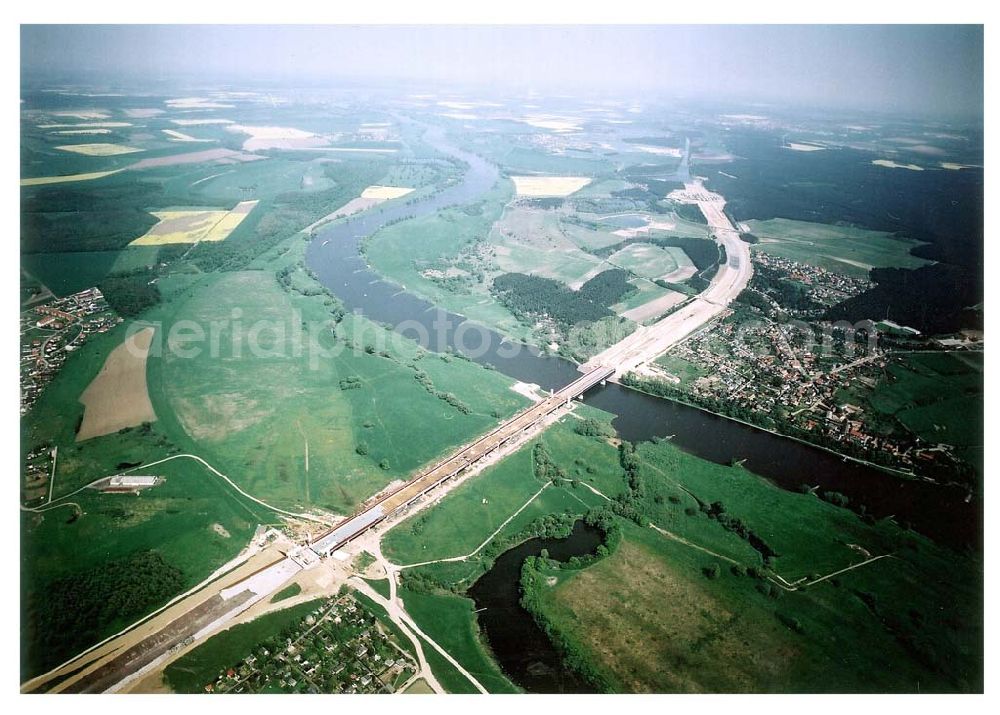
x: 122, y: 480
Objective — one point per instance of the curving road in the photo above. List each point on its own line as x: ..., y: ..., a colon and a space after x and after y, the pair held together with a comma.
x: 647, y: 342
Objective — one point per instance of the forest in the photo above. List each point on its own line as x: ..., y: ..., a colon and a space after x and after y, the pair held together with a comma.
x: 528, y: 297
x: 70, y: 613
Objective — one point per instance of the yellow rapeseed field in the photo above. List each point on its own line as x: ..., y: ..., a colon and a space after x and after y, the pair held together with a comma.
x: 195, y: 225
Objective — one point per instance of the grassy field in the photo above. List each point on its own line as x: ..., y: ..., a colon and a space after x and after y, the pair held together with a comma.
x: 533, y: 241
x: 937, y: 396
x: 449, y: 620
x: 571, y: 267
x: 842, y: 249
x: 815, y: 542
x: 687, y: 371
x: 381, y: 586
x: 287, y: 592
x: 468, y: 515
x: 646, y: 291
x: 649, y: 261
x: 667, y: 223
x: 192, y: 671
x: 252, y: 416
x: 588, y: 238
x: 419, y: 687
x: 653, y: 620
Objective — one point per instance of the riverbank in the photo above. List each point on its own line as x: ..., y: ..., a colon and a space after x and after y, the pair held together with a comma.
x: 872, y: 465
x: 332, y: 255
x: 687, y: 603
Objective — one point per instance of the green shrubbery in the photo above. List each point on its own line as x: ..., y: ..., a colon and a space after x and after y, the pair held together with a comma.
x: 69, y: 613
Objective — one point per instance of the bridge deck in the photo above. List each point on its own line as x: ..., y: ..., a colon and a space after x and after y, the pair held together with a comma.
x: 457, y: 462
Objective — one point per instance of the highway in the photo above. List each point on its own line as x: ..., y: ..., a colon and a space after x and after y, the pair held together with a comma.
x: 647, y: 342
x: 390, y: 503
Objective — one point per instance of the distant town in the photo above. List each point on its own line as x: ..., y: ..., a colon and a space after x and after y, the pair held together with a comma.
x: 52, y: 329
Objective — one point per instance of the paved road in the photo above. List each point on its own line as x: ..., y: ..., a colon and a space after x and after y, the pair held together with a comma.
x: 647, y: 342
x: 455, y: 464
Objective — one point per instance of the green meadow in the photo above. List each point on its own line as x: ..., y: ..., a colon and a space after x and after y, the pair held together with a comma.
x: 684, y: 612
x: 470, y: 513
x: 842, y: 249
x: 450, y: 621
x: 692, y: 605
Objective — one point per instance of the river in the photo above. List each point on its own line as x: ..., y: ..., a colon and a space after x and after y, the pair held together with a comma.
x: 936, y: 511
x: 523, y: 649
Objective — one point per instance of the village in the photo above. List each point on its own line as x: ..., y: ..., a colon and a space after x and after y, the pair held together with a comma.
x: 823, y: 287
x: 804, y: 379
x: 52, y: 330
x: 339, y: 647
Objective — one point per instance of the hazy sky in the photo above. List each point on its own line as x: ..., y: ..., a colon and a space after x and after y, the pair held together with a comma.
x: 905, y: 68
